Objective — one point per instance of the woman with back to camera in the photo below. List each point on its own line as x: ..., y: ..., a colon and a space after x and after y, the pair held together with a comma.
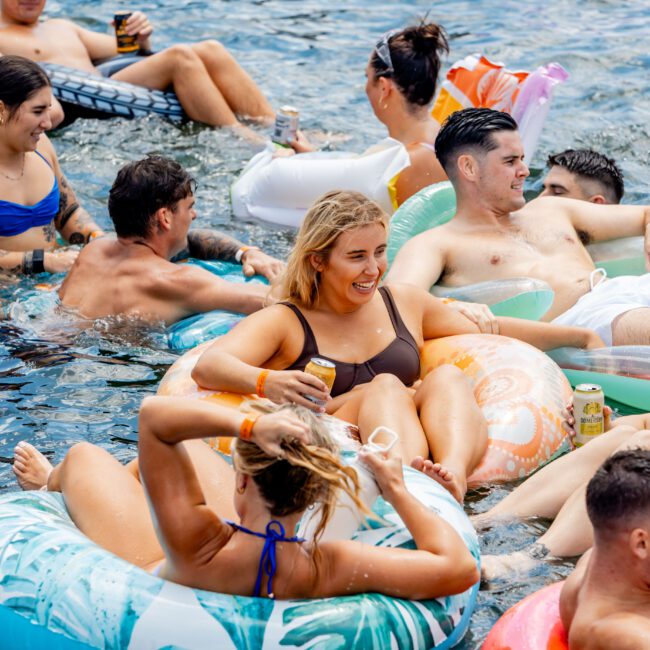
x: 401, y: 82
x: 189, y: 499
x: 335, y: 309
x: 36, y: 200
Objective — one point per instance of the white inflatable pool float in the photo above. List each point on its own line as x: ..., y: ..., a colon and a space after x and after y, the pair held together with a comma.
x: 281, y: 190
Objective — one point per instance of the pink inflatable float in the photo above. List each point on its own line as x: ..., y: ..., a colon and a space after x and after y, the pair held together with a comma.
x: 532, y: 624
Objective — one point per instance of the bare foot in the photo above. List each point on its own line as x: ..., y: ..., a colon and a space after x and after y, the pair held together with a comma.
x: 448, y: 479
x: 495, y: 567
x: 31, y: 468
x: 488, y: 519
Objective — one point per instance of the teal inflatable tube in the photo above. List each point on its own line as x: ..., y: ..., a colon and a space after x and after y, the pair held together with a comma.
x: 191, y: 331
x: 61, y: 591
x: 622, y: 371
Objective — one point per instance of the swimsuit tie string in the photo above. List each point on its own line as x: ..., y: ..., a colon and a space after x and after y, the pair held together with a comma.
x: 268, y: 563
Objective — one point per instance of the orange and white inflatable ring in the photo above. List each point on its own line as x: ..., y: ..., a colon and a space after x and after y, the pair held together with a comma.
x: 521, y: 393
x: 520, y: 390
x: 178, y: 382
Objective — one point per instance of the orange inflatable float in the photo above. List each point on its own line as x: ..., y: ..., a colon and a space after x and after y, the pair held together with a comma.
x: 179, y: 383
x: 477, y: 81
x: 521, y: 392
x: 532, y: 624
x: 519, y: 389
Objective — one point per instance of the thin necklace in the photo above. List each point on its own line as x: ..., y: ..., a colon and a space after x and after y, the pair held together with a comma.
x: 22, y: 171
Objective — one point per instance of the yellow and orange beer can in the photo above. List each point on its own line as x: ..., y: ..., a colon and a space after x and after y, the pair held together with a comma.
x: 323, y: 369
x: 126, y: 43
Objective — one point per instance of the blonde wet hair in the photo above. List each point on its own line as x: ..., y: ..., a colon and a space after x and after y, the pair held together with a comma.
x: 331, y: 215
x: 307, y: 474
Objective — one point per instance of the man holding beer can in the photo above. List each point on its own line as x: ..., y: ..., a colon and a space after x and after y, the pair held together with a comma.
x: 209, y: 83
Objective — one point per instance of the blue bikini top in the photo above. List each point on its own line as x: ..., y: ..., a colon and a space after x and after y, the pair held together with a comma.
x: 15, y: 218
x: 268, y: 564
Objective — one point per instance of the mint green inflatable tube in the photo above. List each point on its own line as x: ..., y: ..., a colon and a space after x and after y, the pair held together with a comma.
x: 622, y: 371
x: 432, y: 206
x: 435, y: 205
x: 60, y: 591
x: 618, y: 257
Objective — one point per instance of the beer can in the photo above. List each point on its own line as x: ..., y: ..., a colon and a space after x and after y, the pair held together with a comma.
x: 286, y: 125
x: 588, y: 403
x: 325, y: 371
x: 125, y: 42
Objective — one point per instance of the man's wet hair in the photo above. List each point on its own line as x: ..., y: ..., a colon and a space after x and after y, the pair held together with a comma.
x: 619, y: 491
x: 143, y: 187
x: 470, y: 129
x: 591, y: 165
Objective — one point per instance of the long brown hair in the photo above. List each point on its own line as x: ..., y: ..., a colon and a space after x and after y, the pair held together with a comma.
x: 331, y: 215
x: 306, y: 475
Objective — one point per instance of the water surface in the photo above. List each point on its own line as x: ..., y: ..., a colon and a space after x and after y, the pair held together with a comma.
x: 60, y: 386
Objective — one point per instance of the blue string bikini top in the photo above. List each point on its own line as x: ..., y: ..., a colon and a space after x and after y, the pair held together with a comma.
x: 15, y: 218
x: 268, y: 564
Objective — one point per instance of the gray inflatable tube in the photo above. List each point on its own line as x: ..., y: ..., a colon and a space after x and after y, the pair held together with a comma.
x: 86, y: 95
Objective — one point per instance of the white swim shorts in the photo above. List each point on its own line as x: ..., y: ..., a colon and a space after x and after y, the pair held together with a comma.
x: 598, y: 309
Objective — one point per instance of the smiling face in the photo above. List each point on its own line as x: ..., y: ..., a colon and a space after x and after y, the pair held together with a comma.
x: 24, y: 128
x: 350, y: 274
x: 24, y: 12
x: 502, y: 172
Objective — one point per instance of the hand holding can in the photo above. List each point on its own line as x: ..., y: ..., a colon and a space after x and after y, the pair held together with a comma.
x: 126, y: 43
x: 589, y: 413
x: 325, y: 371
x: 286, y: 125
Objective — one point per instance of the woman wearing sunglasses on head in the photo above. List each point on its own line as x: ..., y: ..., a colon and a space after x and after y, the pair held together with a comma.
x: 402, y: 75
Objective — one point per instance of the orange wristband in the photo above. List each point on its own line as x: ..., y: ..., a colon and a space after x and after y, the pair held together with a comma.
x: 239, y: 255
x: 261, y: 379
x: 246, y: 427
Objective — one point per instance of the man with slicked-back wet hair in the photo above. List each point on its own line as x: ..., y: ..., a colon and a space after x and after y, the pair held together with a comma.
x: 583, y: 174
x: 496, y: 235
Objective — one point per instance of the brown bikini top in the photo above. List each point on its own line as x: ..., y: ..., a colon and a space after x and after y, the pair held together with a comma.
x: 400, y: 358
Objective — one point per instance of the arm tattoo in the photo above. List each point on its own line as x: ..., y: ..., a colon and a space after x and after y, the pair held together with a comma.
x: 210, y: 244
x: 70, y: 211
x: 49, y: 232
x: 64, y: 202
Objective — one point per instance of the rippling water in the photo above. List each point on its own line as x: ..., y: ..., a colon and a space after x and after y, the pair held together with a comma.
x: 60, y: 386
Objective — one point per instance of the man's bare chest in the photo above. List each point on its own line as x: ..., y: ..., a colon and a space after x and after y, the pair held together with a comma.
x: 42, y: 43
x: 514, y: 247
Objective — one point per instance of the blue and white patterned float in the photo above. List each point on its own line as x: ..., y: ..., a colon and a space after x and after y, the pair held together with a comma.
x: 59, y: 590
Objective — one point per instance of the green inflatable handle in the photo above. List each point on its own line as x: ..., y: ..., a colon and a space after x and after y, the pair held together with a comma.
x: 530, y: 304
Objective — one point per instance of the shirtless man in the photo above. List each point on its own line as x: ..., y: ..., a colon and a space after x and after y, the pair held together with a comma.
x: 605, y: 602
x: 151, y: 204
x: 584, y: 174
x: 497, y: 235
x: 209, y: 83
